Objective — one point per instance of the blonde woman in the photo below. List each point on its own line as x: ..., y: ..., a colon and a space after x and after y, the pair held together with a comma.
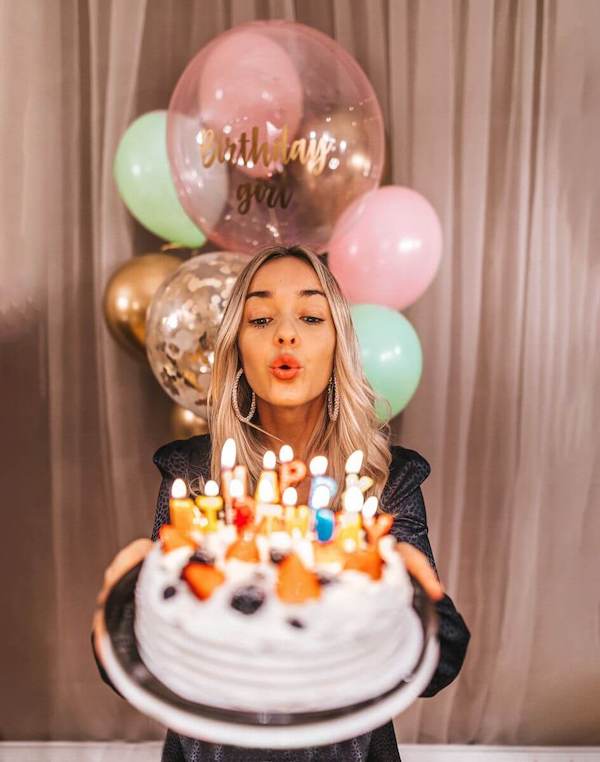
x: 287, y: 371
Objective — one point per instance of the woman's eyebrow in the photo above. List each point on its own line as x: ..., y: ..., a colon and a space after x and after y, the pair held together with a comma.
x: 269, y: 294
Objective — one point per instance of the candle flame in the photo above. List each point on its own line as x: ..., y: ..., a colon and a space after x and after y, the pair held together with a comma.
x: 236, y: 488
x: 369, y: 508
x: 318, y: 465
x: 266, y: 493
x: 269, y: 460
x: 320, y: 497
x: 286, y: 454
x: 353, y: 499
x: 179, y: 489
x: 228, y: 453
x: 290, y: 496
x: 354, y: 462
x: 211, y: 488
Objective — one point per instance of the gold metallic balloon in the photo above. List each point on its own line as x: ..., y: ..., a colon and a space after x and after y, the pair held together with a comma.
x: 185, y: 424
x: 128, y: 294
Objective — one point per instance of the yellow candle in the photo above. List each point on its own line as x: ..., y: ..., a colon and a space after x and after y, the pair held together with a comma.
x: 352, y: 501
x: 266, y: 508
x: 181, y: 507
x: 268, y: 475
x: 210, y: 504
x: 297, y: 519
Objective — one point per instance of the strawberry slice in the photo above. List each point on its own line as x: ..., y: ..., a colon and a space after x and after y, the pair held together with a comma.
x: 295, y: 583
x: 202, y: 579
x: 171, y: 538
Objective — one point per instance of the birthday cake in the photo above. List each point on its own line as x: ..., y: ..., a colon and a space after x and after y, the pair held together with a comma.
x: 262, y: 605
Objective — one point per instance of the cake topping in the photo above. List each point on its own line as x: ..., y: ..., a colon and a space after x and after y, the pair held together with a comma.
x: 172, y: 538
x: 296, y: 541
x: 202, y: 556
x: 248, y: 599
x: 169, y: 592
x: 293, y: 622
x: 277, y: 555
x: 202, y: 579
x: 367, y: 561
x: 244, y: 550
x: 295, y: 583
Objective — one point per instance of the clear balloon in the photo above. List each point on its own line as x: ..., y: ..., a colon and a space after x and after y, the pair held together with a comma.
x: 182, y: 326
x: 391, y: 355
x: 386, y: 247
x: 292, y: 119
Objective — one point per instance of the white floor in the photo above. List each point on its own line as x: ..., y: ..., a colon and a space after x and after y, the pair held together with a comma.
x: 150, y: 752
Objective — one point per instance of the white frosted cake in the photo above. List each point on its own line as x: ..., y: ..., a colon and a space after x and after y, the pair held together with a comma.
x: 245, y: 648
x: 276, y: 608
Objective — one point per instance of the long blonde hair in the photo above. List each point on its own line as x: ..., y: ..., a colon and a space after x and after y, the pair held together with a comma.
x: 356, y: 427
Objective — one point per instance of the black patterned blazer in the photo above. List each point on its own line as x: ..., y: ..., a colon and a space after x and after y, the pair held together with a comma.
x: 189, y: 459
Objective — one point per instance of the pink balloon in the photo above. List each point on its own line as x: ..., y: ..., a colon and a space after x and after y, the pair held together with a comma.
x: 250, y: 80
x: 386, y: 247
x: 281, y: 122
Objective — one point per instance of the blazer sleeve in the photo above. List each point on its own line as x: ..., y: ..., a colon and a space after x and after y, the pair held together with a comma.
x: 403, y: 497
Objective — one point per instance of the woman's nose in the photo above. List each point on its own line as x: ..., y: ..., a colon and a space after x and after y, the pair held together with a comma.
x: 286, y: 334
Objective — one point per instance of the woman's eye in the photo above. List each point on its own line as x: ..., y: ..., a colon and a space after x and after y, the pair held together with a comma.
x: 264, y: 321
x: 258, y: 322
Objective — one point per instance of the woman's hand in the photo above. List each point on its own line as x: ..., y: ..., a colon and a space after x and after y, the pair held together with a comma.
x: 418, y: 565
x: 125, y: 560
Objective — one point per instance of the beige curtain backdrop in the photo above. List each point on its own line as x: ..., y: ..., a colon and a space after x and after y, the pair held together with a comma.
x: 492, y: 110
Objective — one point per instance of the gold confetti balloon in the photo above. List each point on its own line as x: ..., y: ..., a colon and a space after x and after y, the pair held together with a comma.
x: 182, y: 326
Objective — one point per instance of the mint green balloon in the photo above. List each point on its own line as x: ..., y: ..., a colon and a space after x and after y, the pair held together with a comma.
x: 143, y: 176
x: 391, y: 355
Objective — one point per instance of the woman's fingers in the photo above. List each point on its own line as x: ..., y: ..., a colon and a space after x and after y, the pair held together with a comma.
x: 125, y: 559
x: 418, y: 565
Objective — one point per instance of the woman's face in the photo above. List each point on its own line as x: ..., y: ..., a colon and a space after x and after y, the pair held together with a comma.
x: 287, y: 313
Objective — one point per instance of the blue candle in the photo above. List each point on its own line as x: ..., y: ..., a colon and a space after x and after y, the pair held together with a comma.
x: 324, y: 524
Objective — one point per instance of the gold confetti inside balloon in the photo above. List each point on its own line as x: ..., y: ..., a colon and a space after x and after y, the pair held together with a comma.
x: 182, y: 326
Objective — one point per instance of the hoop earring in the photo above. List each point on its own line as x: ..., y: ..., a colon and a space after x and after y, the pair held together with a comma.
x: 333, y: 398
x: 235, y: 404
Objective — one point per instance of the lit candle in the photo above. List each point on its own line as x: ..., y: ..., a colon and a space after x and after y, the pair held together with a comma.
x: 241, y: 474
x: 268, y: 475
x: 297, y: 519
x: 353, y: 466
x: 266, y: 508
x: 228, y: 456
x: 243, y: 514
x: 352, y: 500
x: 210, y: 503
x: 318, y: 466
x: 291, y: 472
x: 181, y: 507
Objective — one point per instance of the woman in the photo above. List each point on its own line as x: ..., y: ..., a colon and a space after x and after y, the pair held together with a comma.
x: 286, y: 310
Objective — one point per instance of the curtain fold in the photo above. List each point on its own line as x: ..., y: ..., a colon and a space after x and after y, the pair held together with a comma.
x: 492, y: 110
